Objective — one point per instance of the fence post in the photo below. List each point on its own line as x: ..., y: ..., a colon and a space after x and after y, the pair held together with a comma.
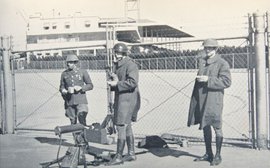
x: 9, y: 115
x: 260, y: 81
x: 1, y: 90
x: 268, y: 63
x: 251, y: 81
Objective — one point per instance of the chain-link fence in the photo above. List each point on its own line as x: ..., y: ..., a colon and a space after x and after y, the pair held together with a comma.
x: 167, y: 74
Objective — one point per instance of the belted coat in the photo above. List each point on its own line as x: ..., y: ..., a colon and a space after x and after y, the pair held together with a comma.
x: 127, y: 98
x: 206, y: 103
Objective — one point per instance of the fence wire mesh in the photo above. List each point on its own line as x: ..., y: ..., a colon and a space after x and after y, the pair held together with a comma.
x: 167, y: 75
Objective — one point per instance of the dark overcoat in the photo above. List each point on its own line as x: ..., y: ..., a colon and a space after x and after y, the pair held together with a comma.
x: 207, y: 97
x: 127, y: 99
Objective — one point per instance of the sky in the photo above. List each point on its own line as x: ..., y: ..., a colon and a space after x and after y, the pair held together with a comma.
x: 201, y: 18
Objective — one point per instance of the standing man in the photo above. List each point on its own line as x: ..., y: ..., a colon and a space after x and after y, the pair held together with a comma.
x: 73, y: 86
x: 124, y: 83
x: 207, y: 99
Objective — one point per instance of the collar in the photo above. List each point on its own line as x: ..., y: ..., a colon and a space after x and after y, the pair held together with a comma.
x: 75, y: 69
x: 212, y: 59
x: 123, y: 61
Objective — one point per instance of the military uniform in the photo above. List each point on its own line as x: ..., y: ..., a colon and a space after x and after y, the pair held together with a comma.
x: 76, y: 102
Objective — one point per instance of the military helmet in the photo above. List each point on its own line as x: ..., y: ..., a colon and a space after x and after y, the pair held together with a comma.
x: 72, y: 57
x: 210, y: 43
x: 120, y: 48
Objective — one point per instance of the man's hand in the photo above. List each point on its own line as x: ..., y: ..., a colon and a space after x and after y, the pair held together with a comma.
x: 77, y: 88
x: 112, y: 83
x: 64, y: 91
x: 71, y: 90
x: 114, y: 77
x: 202, y: 78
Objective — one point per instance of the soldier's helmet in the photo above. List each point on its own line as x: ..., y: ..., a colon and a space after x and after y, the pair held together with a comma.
x: 72, y: 57
x: 120, y: 48
x: 210, y: 43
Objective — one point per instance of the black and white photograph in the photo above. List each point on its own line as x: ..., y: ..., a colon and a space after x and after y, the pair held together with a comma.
x: 134, y: 83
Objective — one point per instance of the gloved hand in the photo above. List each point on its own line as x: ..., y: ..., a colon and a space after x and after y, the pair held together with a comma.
x: 77, y: 88
x: 64, y: 91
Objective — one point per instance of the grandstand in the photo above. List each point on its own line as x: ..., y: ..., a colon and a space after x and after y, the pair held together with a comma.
x: 87, y: 35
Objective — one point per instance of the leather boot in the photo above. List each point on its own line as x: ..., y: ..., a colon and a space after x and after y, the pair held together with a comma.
x: 217, y: 159
x: 117, y: 159
x: 82, y: 118
x: 208, y: 156
x: 131, y: 150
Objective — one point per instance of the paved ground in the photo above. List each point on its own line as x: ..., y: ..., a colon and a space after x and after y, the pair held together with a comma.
x: 28, y: 150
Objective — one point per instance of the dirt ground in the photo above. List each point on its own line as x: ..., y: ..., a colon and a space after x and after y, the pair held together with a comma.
x: 29, y: 150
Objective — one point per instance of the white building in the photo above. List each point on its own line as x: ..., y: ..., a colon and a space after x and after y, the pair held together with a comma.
x: 87, y: 35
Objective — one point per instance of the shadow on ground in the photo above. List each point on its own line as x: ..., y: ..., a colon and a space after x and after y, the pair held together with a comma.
x: 53, y: 141
x: 163, y: 152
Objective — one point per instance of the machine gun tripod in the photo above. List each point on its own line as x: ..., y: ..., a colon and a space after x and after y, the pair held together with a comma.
x: 75, y: 155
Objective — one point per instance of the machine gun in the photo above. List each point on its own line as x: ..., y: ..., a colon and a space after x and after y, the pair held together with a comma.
x: 72, y: 157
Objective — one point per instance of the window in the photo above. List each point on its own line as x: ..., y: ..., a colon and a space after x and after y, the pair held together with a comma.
x: 86, y: 52
x: 87, y: 24
x: 46, y: 26
x: 68, y: 52
x: 67, y: 25
x: 54, y: 26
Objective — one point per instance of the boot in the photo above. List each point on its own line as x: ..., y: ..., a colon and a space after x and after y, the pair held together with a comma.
x: 208, y: 156
x: 82, y: 118
x: 131, y: 150
x: 217, y: 159
x: 117, y: 159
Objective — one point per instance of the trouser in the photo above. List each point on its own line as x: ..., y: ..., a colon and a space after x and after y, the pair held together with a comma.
x: 77, y: 112
x: 81, y: 117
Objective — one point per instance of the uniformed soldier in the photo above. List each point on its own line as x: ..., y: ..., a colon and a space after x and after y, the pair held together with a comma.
x: 124, y: 82
x: 207, y: 99
x: 73, y: 86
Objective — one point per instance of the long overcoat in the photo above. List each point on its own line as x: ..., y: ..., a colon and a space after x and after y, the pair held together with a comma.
x: 127, y: 99
x: 207, y: 97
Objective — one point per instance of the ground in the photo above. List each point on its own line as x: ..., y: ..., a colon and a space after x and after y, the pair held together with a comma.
x: 27, y: 150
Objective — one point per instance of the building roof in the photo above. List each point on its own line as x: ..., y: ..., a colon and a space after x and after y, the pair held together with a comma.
x: 147, y: 28
x: 162, y: 31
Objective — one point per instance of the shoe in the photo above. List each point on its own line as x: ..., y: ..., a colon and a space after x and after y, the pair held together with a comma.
x: 117, y: 160
x: 205, y: 157
x: 216, y: 161
x: 129, y: 157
